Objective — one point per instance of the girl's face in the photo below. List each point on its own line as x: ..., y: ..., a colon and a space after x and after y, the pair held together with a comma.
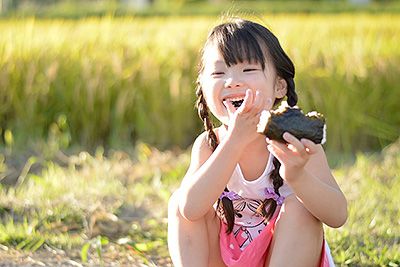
x: 222, y: 83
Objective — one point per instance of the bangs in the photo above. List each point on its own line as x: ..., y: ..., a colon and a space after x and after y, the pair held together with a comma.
x: 237, y: 44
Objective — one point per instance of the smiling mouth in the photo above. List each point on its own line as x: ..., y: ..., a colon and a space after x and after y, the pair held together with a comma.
x: 236, y: 102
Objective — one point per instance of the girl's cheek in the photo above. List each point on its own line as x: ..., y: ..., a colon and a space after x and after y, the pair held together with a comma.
x: 208, y: 85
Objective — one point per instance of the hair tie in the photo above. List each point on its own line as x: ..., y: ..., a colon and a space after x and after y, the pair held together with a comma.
x: 270, y: 194
x: 230, y: 195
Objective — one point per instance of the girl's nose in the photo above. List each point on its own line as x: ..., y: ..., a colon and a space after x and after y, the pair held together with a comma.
x: 233, y: 82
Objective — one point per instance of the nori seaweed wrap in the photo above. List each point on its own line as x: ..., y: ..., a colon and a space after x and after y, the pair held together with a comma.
x: 292, y: 119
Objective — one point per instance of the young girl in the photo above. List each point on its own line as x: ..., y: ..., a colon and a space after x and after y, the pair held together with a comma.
x: 248, y: 201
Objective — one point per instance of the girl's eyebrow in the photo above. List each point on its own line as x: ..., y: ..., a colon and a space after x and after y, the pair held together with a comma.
x: 219, y: 62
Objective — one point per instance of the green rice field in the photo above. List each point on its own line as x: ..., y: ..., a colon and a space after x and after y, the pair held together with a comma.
x: 113, y: 81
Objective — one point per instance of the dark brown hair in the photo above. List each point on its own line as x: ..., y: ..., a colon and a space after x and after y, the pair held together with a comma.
x: 238, y: 41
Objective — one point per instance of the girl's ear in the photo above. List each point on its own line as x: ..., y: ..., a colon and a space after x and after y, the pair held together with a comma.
x: 280, y: 87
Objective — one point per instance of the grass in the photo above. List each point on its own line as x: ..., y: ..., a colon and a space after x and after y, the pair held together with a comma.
x: 73, y: 200
x: 95, y: 207
x: 371, y: 234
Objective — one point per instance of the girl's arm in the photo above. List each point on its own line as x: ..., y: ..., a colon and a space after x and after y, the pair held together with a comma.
x: 209, y: 172
x: 306, y: 170
x: 317, y: 189
x: 207, y: 176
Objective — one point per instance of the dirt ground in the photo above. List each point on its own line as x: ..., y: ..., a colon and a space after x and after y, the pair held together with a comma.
x: 48, y: 256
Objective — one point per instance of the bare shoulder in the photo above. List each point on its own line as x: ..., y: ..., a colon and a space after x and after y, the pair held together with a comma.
x: 201, y: 151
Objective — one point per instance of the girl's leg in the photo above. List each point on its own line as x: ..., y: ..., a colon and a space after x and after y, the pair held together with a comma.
x: 193, y: 243
x: 297, y: 238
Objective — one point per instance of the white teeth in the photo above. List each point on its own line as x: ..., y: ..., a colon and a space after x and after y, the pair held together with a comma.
x: 234, y: 99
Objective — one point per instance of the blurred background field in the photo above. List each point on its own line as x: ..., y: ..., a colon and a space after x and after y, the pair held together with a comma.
x: 97, y: 117
x: 111, y: 81
x: 78, y: 9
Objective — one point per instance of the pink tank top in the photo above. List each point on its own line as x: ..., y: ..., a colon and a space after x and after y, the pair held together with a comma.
x: 248, y: 196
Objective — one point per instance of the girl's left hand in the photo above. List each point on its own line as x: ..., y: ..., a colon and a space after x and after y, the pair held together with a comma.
x: 293, y: 156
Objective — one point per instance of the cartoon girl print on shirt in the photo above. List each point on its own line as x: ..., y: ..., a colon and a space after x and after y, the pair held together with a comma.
x: 248, y: 222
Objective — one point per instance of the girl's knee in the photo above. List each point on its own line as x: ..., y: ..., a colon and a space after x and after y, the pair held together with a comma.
x: 174, y: 211
x: 173, y: 204
x: 294, y: 210
x: 298, y: 231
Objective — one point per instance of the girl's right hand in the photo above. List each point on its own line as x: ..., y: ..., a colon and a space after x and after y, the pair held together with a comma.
x: 242, y: 127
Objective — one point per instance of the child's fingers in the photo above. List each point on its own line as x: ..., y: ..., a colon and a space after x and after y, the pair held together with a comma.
x: 304, y: 146
x: 276, y: 152
x: 278, y: 149
x: 273, y: 151
x: 231, y: 109
x: 310, y: 146
x: 247, y: 102
x: 294, y: 143
x: 257, y: 105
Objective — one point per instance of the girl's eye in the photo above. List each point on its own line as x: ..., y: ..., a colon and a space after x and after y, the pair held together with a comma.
x: 248, y: 70
x: 217, y: 73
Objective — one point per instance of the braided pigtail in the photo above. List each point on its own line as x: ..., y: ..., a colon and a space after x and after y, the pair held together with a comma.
x: 269, y: 205
x: 203, y: 112
x: 291, y: 92
x: 276, y: 178
x: 228, y: 211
